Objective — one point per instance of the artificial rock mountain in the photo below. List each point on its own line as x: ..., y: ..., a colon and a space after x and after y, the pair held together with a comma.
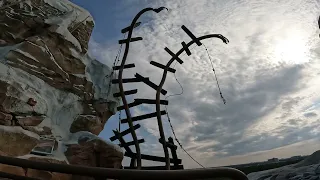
x: 51, y: 88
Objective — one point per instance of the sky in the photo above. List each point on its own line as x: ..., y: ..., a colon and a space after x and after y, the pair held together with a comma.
x: 268, y: 74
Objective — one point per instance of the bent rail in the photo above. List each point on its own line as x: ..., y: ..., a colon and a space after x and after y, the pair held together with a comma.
x: 167, y: 68
x: 124, y: 173
x: 124, y: 101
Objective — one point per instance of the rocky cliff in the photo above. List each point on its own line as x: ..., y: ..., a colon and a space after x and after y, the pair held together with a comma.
x: 50, y: 88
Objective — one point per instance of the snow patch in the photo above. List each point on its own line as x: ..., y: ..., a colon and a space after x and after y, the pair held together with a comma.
x: 60, y: 107
x: 26, y: 54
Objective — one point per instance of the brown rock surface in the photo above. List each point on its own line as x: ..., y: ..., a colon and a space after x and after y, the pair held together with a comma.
x: 42, y: 131
x: 11, y: 169
x: 5, y: 119
x: 94, y: 153
x: 15, y: 141
x: 29, y: 120
x: 45, y: 175
x: 45, y: 60
x: 89, y: 123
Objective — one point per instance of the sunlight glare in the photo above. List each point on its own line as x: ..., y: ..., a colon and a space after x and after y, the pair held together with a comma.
x: 292, y: 49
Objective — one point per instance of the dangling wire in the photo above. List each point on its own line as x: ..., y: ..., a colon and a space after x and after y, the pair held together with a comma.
x: 119, y: 121
x: 115, y: 63
x: 169, y: 120
x: 224, y: 101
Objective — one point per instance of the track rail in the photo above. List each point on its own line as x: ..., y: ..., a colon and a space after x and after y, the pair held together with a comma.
x: 165, y: 72
x: 159, y: 88
x: 120, y: 77
x: 102, y: 173
x: 121, y: 173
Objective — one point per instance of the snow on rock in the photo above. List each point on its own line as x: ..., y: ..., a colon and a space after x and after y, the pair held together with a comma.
x: 43, y: 57
x: 308, y: 169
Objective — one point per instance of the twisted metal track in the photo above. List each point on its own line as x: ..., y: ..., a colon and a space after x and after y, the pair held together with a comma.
x: 134, y: 174
x: 120, y: 78
x: 166, y: 69
x: 138, y: 78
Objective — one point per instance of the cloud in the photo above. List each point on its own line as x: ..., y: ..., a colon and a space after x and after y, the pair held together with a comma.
x: 310, y: 114
x: 268, y: 75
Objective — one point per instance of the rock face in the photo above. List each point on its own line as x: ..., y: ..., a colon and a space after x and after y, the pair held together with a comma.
x: 94, y: 152
x: 15, y: 141
x: 50, y: 87
x: 308, y: 169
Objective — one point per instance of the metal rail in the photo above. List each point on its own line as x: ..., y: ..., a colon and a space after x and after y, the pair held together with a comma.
x: 125, y: 173
x: 166, y: 69
x: 124, y: 101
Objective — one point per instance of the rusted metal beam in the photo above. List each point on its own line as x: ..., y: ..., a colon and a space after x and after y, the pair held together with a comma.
x: 173, y: 149
x: 125, y: 132
x: 173, y: 56
x: 163, y: 79
x: 124, y: 30
x: 126, y: 66
x: 142, y: 117
x: 169, y: 144
x: 132, y: 163
x: 185, y: 47
x: 151, y: 101
x: 138, y: 102
x: 152, y: 158
x: 162, y: 66
x: 131, y: 143
x: 130, y: 105
x: 187, y: 174
x: 193, y: 37
x: 127, y: 80
x: 129, y: 92
x: 123, y: 62
x: 122, y: 141
x: 122, y: 41
x: 149, y: 83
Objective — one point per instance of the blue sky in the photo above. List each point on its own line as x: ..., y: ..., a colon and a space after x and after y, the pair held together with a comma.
x: 268, y: 74
x: 110, y: 18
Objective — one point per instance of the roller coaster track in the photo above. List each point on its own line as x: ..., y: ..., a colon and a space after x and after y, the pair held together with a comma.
x: 159, y: 90
x: 144, y: 173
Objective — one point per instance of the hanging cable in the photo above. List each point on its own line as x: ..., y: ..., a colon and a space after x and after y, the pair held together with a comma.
x: 119, y: 128
x: 115, y: 63
x: 173, y: 132
x: 169, y: 120
x: 224, y: 101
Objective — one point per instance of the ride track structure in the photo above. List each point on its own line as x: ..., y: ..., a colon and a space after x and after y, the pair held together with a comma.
x: 158, y: 102
x: 135, y: 174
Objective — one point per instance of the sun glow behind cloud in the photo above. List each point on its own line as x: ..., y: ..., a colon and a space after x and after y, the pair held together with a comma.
x: 292, y: 48
x: 268, y: 74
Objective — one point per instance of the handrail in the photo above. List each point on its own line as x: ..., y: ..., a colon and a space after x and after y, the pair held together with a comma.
x: 126, y: 173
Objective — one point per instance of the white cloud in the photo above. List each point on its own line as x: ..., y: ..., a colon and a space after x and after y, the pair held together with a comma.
x: 268, y: 75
